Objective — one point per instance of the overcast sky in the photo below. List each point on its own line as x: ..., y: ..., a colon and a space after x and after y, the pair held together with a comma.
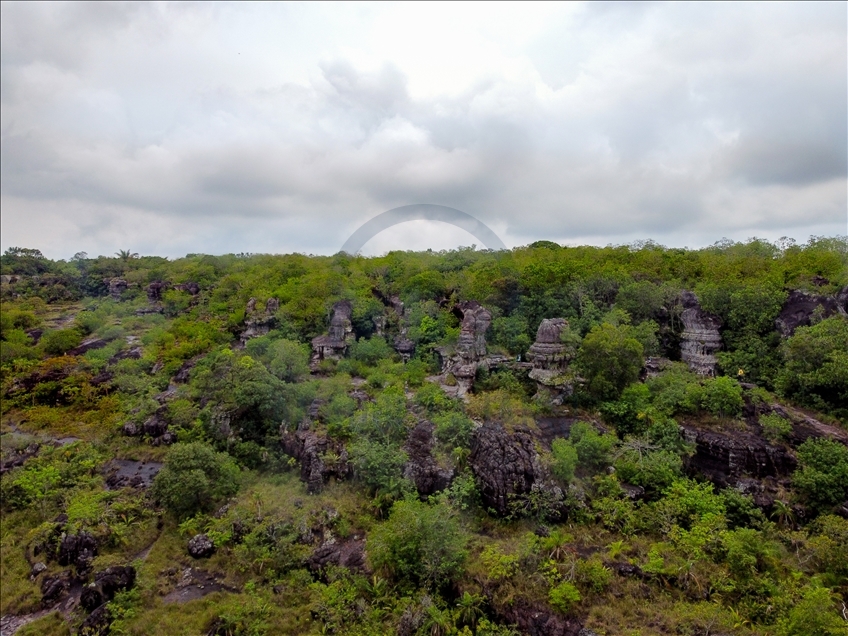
x: 177, y: 128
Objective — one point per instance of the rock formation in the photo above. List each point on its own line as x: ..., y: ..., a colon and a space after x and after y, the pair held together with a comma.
x: 106, y: 584
x: 259, y: 323
x: 470, y: 349
x: 190, y: 287
x: 320, y: 457
x: 117, y: 286
x: 200, y: 547
x: 504, y: 464
x: 701, y: 339
x: 334, y: 345
x: 801, y: 306
x: 155, y: 290
x: 550, y: 356
x: 78, y: 550
x: 422, y: 469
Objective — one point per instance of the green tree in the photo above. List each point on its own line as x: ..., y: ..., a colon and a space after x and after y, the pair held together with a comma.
x: 610, y: 357
x: 822, y: 475
x: 564, y: 459
x: 289, y: 360
x: 60, y: 341
x: 194, y: 479
x: 420, y: 544
x: 722, y: 396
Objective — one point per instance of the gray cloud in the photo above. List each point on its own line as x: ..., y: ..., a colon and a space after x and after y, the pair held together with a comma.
x: 179, y: 128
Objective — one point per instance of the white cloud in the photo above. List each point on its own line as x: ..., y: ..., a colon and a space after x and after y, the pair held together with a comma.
x: 227, y: 127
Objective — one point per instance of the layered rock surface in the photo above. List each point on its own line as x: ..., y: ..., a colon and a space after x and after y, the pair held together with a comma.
x: 701, y: 338
x: 339, y: 336
x: 801, y: 306
x: 470, y: 348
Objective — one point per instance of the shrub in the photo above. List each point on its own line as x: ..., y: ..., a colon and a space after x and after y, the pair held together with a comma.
x: 499, y: 566
x: 593, y: 574
x: 564, y: 597
x: 564, y: 459
x: 592, y: 448
x: 453, y: 429
x: 195, y: 478
x: 289, y: 360
x: 822, y: 476
x: 775, y: 427
x: 420, y: 544
x: 378, y: 465
x: 610, y: 358
x: 370, y: 351
x: 59, y: 342
x: 815, y: 614
x: 723, y: 397
x: 654, y: 470
x: 628, y: 413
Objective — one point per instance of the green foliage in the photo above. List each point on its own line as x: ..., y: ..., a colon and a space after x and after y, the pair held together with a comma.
x: 60, y: 341
x: 420, y: 544
x: 775, y: 427
x: 816, y: 370
x: 378, y: 466
x: 371, y: 351
x: 564, y: 459
x: 593, y: 448
x: 653, y: 469
x: 386, y: 419
x: 194, y: 479
x: 564, y: 597
x: 610, y: 358
x: 815, y: 614
x: 289, y: 360
x: 822, y: 475
x: 512, y: 333
x: 722, y: 396
x: 499, y: 566
x: 453, y: 429
x: 628, y: 414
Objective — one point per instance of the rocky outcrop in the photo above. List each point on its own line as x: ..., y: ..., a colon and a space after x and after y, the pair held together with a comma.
x: 155, y: 428
x: 422, y: 469
x: 259, y: 323
x: 98, y: 623
x: 727, y: 457
x: 505, y: 465
x: 190, y: 287
x: 550, y: 357
x: 106, y: 584
x: 320, y: 457
x: 470, y: 350
x: 155, y: 290
x: 339, y: 336
x: 535, y: 619
x: 90, y: 344
x: 79, y: 551
x: 200, y: 547
x: 701, y: 338
x: 347, y: 554
x: 801, y: 306
x: 53, y: 587
x: 117, y: 286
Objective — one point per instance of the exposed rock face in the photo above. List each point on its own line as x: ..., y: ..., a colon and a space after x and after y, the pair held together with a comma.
x: 200, y: 547
x: 78, y: 550
x: 701, y: 339
x: 535, y: 619
x: 725, y: 458
x: 155, y: 289
x: 320, y: 458
x: 349, y: 554
x: 117, y: 286
x: 89, y: 344
x: 259, y: 323
x: 98, y: 623
x: 504, y: 465
x: 550, y: 356
x: 800, y: 307
x: 53, y: 587
x: 339, y: 336
x: 404, y: 346
x: 155, y: 428
x: 422, y: 469
x: 471, y: 346
x: 106, y: 584
x: 190, y: 287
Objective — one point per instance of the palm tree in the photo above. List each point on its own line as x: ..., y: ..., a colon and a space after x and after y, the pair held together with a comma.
x: 126, y: 255
x: 469, y: 610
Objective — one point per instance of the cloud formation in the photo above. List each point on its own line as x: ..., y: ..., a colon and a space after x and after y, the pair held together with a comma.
x: 215, y: 128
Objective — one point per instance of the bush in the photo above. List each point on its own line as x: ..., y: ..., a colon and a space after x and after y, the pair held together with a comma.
x: 564, y: 597
x: 194, y: 479
x: 610, y: 357
x: 628, y: 413
x: 775, y: 427
x: 816, y: 614
x: 289, y: 360
x: 453, y: 429
x: 723, y: 397
x: 379, y: 465
x: 564, y: 459
x: 371, y: 351
x: 592, y: 448
x: 653, y: 470
x: 420, y: 544
x: 822, y: 476
x: 59, y: 342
